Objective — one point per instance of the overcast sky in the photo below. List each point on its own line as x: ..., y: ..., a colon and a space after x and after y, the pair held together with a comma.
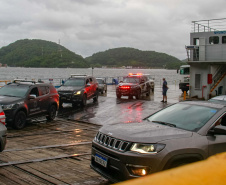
x: 89, y: 26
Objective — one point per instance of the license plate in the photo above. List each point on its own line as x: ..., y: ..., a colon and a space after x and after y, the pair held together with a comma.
x: 101, y: 160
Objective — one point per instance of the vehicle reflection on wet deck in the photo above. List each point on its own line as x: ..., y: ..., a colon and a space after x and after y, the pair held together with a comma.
x: 109, y: 109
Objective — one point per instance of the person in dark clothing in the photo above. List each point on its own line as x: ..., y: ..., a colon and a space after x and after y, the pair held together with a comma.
x: 164, y: 90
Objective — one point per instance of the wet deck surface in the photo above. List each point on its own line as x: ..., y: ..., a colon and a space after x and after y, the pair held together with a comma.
x: 58, y: 152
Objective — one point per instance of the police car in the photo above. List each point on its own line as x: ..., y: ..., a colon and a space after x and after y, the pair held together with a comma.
x: 135, y: 85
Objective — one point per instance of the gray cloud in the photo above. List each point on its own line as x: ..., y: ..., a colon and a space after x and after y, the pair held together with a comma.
x: 89, y: 26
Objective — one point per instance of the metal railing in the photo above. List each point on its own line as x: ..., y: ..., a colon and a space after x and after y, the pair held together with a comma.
x: 209, y: 25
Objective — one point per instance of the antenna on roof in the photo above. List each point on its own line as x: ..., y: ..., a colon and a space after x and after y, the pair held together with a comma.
x: 59, y: 49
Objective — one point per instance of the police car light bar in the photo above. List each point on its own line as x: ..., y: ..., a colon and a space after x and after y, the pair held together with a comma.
x: 136, y: 74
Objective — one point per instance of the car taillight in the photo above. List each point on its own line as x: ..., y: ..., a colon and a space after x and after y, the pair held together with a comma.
x: 2, y: 118
x: 125, y: 87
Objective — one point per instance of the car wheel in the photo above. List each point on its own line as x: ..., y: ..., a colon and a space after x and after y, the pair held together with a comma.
x: 119, y: 96
x: 84, y: 100
x: 52, y: 113
x: 95, y: 99
x: 138, y: 95
x: 20, y: 120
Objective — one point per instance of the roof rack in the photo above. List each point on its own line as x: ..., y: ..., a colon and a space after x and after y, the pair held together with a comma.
x: 23, y: 81
x: 76, y: 75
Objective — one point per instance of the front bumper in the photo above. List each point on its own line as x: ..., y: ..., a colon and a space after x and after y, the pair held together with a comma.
x: 9, y: 114
x: 130, y: 92
x: 119, y: 163
x: 70, y: 98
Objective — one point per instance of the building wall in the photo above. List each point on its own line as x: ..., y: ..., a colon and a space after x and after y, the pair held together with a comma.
x: 204, y: 90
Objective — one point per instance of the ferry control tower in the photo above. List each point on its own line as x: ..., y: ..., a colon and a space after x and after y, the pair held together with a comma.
x: 207, y: 58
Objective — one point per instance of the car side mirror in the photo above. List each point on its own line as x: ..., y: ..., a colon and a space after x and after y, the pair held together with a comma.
x: 219, y: 130
x: 32, y: 96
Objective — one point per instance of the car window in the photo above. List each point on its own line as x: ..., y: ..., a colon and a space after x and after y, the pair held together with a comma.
x: 34, y: 91
x: 74, y: 82
x: 131, y: 80
x: 100, y: 81
x: 184, y: 116
x: 221, y: 121
x: 44, y: 90
x: 17, y: 91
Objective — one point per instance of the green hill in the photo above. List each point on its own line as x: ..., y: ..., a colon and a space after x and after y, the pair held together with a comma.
x: 40, y: 53
x: 119, y: 57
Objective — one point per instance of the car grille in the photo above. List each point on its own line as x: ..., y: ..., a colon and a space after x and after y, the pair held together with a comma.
x: 65, y: 92
x: 112, y: 143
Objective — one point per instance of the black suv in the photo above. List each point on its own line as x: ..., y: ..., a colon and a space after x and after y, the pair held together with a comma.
x: 135, y: 85
x: 26, y: 99
x: 78, y: 89
x: 179, y: 134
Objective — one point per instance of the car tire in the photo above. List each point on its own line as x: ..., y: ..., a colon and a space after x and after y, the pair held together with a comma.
x: 118, y: 96
x: 19, y: 120
x: 84, y: 100
x: 138, y: 95
x: 52, y: 113
x: 95, y: 99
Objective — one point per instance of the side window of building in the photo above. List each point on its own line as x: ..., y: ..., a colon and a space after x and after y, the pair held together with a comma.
x: 224, y: 40
x: 34, y: 91
x: 214, y: 40
x: 197, y: 81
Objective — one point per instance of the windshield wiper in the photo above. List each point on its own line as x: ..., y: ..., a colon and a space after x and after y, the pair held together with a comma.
x: 165, y: 123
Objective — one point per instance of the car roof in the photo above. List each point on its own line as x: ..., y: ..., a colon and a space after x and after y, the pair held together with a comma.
x: 217, y: 105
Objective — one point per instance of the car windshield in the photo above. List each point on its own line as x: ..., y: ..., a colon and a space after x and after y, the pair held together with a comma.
x: 15, y: 91
x: 75, y: 82
x: 100, y: 81
x: 131, y: 80
x: 184, y: 116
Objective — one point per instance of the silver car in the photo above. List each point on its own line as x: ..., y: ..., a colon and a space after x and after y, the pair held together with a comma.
x: 102, y: 85
x: 3, y: 130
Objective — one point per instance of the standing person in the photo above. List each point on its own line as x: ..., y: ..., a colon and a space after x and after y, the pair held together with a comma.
x: 164, y: 90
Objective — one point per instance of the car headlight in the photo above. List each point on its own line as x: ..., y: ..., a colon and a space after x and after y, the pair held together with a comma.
x: 7, y: 107
x: 77, y: 93
x: 147, y: 148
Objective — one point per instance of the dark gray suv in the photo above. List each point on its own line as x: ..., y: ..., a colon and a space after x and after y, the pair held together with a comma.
x: 179, y: 134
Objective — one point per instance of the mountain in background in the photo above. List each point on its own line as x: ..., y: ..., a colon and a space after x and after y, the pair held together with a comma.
x: 124, y: 56
x: 40, y: 53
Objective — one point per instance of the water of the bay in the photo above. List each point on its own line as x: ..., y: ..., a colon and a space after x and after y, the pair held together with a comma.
x: 11, y: 73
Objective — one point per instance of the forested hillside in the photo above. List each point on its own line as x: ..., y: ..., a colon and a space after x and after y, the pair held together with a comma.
x: 39, y: 53
x: 133, y: 57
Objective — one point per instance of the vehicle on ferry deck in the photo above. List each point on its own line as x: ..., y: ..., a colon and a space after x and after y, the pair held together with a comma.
x: 3, y: 130
x: 179, y: 134
x: 102, y: 85
x: 135, y: 85
x: 78, y: 89
x: 185, y: 71
x: 22, y: 100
